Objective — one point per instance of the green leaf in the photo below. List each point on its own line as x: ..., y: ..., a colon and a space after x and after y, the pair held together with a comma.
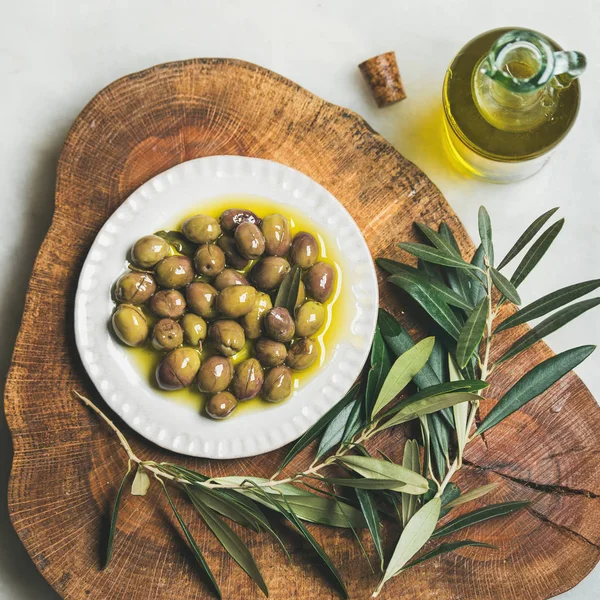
x: 548, y: 326
x: 428, y: 269
x: 535, y: 382
x: 472, y: 495
x: 438, y: 360
x: 535, y: 253
x: 114, y: 517
x: 436, y: 256
x: 505, y: 286
x: 461, y: 411
x: 457, y: 278
x: 367, y: 483
x: 478, y: 516
x: 445, y: 548
x: 478, y: 286
x: 380, y: 367
x: 288, y: 290
x: 402, y: 372
x: 471, y: 333
x: 485, y: 233
x: 178, y: 241
x: 410, y: 460
x: 369, y: 510
x: 548, y: 303
x: 441, y: 242
x: 356, y: 419
x: 141, y: 482
x: 225, y: 506
x: 325, y: 511
x: 426, y: 437
x: 450, y: 493
x: 334, y: 433
x: 250, y: 484
x: 440, y: 434
x: 526, y: 237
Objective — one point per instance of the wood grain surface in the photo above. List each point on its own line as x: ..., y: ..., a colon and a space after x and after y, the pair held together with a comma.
x: 67, y: 465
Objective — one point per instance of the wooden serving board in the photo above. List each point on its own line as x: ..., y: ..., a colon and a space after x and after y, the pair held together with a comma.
x: 67, y: 465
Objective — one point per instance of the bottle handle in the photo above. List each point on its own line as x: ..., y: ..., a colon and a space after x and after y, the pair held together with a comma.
x: 568, y: 65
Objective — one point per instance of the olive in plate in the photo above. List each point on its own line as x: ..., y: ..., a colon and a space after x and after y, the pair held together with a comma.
x: 309, y: 318
x: 305, y: 250
x: 249, y: 240
x: 319, y: 281
x: 236, y: 300
x: 215, y: 374
x: 130, y: 325
x: 279, y: 325
x: 174, y: 272
x: 221, y: 405
x: 278, y: 239
x: 302, y: 354
x: 277, y: 385
x: 247, y: 380
x: 209, y: 260
x: 270, y: 353
x: 201, y: 298
x: 229, y: 277
x: 253, y: 320
x: 233, y: 217
x: 194, y: 329
x: 178, y: 368
x: 227, y: 337
x: 168, y: 304
x: 201, y: 229
x: 134, y: 288
x: 167, y: 334
x: 147, y: 251
x: 232, y: 255
x: 268, y: 273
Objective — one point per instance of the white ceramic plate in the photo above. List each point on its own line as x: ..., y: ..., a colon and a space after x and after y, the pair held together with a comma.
x: 159, y: 202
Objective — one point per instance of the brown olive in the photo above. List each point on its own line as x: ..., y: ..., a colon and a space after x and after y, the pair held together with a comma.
x: 167, y: 334
x: 279, y: 325
x: 247, y: 380
x: 227, y: 337
x: 201, y: 298
x: 215, y: 374
x: 278, y: 239
x: 277, y: 385
x: 249, y: 240
x: 194, y: 329
x: 301, y: 297
x: 134, y: 288
x: 233, y: 258
x: 178, y: 369
x: 130, y: 325
x: 309, y: 318
x: 168, y: 303
x: 252, y: 321
x: 233, y: 217
x: 147, y: 251
x: 174, y: 272
x: 236, y: 300
x: 209, y: 260
x: 305, y: 250
x: 268, y: 273
x: 319, y: 281
x: 270, y: 353
x: 201, y: 229
x: 302, y: 354
x: 221, y: 405
x: 229, y: 277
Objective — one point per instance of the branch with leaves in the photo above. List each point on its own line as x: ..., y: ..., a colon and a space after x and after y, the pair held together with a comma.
x: 449, y: 373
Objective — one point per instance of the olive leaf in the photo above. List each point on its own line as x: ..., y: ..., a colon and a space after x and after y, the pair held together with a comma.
x: 506, y: 288
x: 477, y: 286
x: 371, y: 515
x: 178, y: 241
x: 430, y: 270
x: 471, y: 333
x: 450, y: 493
x: 380, y: 367
x: 440, y: 436
x: 445, y: 548
x: 441, y: 242
x: 367, y: 483
x: 356, y: 419
x: 410, y: 460
x: 114, y: 517
x: 461, y: 411
x: 334, y: 433
x: 472, y: 495
x: 141, y: 482
x: 436, y: 256
x: 226, y: 507
x: 325, y: 511
x: 288, y: 290
x: 485, y: 234
x: 457, y: 278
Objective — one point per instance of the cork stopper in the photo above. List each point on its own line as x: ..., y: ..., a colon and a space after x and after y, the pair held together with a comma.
x: 383, y: 77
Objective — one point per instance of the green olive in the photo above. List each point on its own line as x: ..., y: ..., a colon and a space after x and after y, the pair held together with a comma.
x: 215, y: 374
x: 221, y: 405
x: 130, y: 325
x: 301, y: 297
x: 309, y: 318
x: 277, y: 385
x: 209, y: 260
x: 201, y: 298
x: 229, y: 277
x: 302, y: 354
x: 305, y: 250
x: 249, y: 240
x: 194, y: 329
x: 247, y: 380
x: 178, y: 368
x: 134, y: 288
x: 252, y: 321
x: 168, y: 303
x: 233, y: 258
x: 147, y: 251
x: 174, y: 272
x: 268, y: 273
x: 201, y: 229
x: 236, y: 300
x: 270, y: 353
x: 227, y: 337
x: 279, y: 325
x: 233, y: 217
x: 319, y: 281
x: 278, y: 239
x: 167, y: 334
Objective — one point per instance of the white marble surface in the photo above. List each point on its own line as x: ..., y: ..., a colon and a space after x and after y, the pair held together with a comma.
x: 54, y: 56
